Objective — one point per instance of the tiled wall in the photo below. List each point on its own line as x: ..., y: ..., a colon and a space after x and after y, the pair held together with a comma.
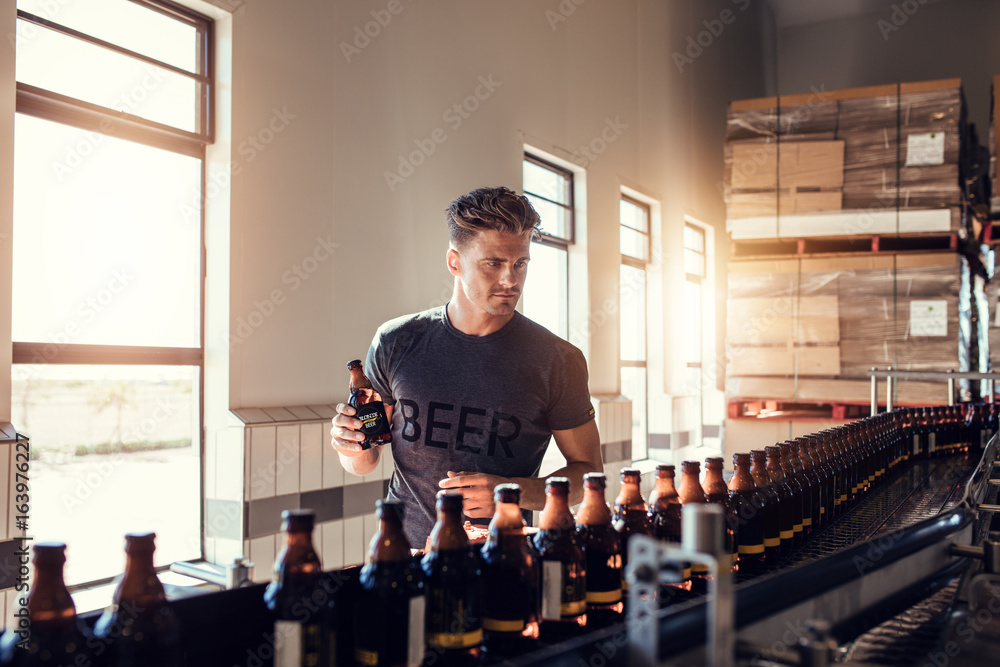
x: 614, y: 421
x: 9, y: 533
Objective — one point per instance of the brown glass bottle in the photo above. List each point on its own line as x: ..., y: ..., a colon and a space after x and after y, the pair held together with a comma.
x: 786, y: 494
x: 510, y: 580
x: 370, y: 409
x: 601, y: 546
x: 749, y: 505
x: 691, y: 491
x: 389, y: 617
x: 453, y: 586
x: 772, y: 503
x: 139, y: 627
x: 49, y: 633
x: 665, y: 513
x: 564, y: 575
x: 813, y: 484
x: 631, y: 513
x: 800, y: 510
x: 717, y: 492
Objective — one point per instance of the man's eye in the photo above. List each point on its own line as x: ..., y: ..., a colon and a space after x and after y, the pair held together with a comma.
x: 521, y: 265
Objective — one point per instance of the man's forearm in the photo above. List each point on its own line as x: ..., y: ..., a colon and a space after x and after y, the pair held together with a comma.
x: 533, y: 488
x: 361, y: 465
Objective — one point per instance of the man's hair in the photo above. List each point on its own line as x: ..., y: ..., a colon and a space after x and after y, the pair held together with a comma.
x: 499, y: 209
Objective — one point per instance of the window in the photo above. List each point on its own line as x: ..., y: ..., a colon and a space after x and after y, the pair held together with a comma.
x: 634, y: 235
x: 550, y: 189
x: 114, y: 104
x: 694, y: 317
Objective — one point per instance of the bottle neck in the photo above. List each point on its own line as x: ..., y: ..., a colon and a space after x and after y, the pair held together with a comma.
x: 139, y: 585
x: 390, y: 544
x: 629, y: 497
x: 774, y: 469
x: 690, y: 490
x: 594, y: 510
x: 713, y: 480
x: 758, y: 470
x: 742, y: 479
x: 555, y: 515
x: 664, y: 492
x: 49, y: 600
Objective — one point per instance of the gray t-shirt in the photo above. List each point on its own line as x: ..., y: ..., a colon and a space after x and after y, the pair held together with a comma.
x: 471, y: 403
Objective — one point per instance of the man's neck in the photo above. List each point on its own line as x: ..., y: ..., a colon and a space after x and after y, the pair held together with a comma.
x: 472, y: 321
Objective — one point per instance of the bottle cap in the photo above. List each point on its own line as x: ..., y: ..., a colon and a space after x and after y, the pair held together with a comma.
x: 713, y: 463
x: 49, y: 553
x: 741, y: 458
x: 449, y: 501
x: 664, y: 470
x: 298, y: 520
x: 691, y: 467
x: 557, y: 485
x: 507, y: 493
x: 595, y: 480
x: 354, y: 363
x: 631, y: 475
x: 138, y: 542
x: 385, y: 509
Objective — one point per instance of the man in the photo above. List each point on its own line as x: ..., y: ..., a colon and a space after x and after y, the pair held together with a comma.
x: 474, y: 389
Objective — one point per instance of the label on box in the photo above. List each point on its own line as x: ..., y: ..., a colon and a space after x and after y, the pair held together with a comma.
x: 925, y: 149
x: 929, y: 318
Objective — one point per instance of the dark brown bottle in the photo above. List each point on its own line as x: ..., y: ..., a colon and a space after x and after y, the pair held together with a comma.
x: 800, y: 510
x: 631, y: 513
x: 389, y: 617
x: 665, y: 512
x: 453, y: 586
x: 564, y: 571
x: 370, y: 409
x: 47, y: 631
x: 812, y: 482
x: 602, y: 549
x: 690, y: 491
x: 510, y: 580
x: 139, y: 627
x: 749, y: 504
x: 772, y: 503
x: 717, y: 492
x: 786, y: 494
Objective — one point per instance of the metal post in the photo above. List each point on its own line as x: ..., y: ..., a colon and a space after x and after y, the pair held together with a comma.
x: 888, y: 390
x: 951, y: 388
x: 989, y: 390
x: 874, y: 392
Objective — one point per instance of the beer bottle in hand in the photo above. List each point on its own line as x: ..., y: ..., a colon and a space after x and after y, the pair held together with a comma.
x: 564, y: 575
x: 297, y: 575
x: 139, y: 628
x: 601, y: 548
x: 51, y: 634
x: 389, y: 618
x: 510, y: 580
x: 370, y: 410
x: 452, y: 582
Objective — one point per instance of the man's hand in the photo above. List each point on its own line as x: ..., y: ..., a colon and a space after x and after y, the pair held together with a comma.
x: 346, y: 440
x: 477, y: 492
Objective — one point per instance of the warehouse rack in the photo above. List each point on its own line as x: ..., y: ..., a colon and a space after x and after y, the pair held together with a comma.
x: 891, y: 376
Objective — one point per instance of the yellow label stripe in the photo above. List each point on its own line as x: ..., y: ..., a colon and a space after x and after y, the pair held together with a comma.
x: 573, y: 608
x: 366, y: 657
x: 497, y: 625
x: 807, y: 521
x: 798, y: 528
x: 751, y: 548
x: 600, y: 597
x: 772, y: 542
x: 455, y: 640
x: 787, y: 534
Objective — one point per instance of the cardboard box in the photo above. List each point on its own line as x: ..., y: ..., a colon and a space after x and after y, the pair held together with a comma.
x: 788, y: 165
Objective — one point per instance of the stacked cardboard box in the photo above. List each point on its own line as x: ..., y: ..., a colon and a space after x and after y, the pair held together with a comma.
x: 809, y: 329
x: 877, y: 149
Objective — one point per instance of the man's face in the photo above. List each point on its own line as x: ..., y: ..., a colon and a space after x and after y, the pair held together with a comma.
x: 492, y: 267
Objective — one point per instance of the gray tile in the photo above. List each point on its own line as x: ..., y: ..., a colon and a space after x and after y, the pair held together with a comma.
x: 710, y: 430
x: 327, y: 503
x: 265, y: 514
x: 627, y: 450
x: 683, y: 438
x: 359, y: 499
x: 659, y: 441
x: 10, y: 561
x: 612, y: 451
x: 222, y: 518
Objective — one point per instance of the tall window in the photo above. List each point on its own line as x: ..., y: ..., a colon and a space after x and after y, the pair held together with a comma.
x: 634, y: 239
x: 550, y: 189
x: 113, y: 116
x: 694, y: 318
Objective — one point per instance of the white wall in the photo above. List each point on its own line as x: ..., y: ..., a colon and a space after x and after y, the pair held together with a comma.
x: 327, y: 131
x: 937, y: 40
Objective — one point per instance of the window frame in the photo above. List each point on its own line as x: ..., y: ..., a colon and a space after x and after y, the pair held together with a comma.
x: 54, y: 107
x: 544, y: 237
x: 644, y: 266
x: 629, y: 259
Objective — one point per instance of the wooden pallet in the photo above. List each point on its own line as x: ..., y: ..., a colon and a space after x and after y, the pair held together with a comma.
x: 834, y: 246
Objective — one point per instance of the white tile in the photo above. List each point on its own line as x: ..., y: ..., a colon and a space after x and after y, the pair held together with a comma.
x: 333, y: 471
x: 232, y: 459
x: 246, y: 463
x: 211, y: 456
x: 226, y: 550
x: 210, y: 550
x: 310, y: 457
x: 371, y: 527
x: 333, y: 544
x: 287, y: 463
x: 604, y: 422
x: 354, y: 546
x: 262, y: 553
x: 263, y: 466
x: 6, y: 484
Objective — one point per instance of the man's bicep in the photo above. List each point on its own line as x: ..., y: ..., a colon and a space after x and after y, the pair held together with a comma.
x: 581, y: 444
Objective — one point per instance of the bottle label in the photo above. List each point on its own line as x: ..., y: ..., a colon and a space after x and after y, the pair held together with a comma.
x: 564, y: 592
x: 372, y: 416
x: 366, y: 657
x: 415, y: 638
x: 453, y: 617
x: 787, y: 534
x: 931, y: 443
x: 772, y: 541
x: 500, y: 625
x: 604, y: 577
x: 916, y: 445
x: 296, y: 644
